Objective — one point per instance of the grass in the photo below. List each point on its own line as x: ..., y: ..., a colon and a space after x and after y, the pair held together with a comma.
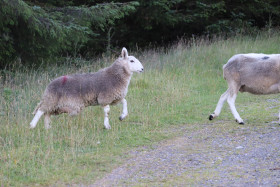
x: 179, y: 86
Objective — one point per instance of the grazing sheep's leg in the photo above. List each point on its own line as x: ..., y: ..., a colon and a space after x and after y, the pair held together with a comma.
x: 124, y: 112
x: 36, y: 118
x: 106, y: 119
x: 47, y: 121
x: 219, y: 106
x: 231, y: 102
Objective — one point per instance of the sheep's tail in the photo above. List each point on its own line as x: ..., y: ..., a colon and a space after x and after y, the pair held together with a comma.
x: 37, y: 107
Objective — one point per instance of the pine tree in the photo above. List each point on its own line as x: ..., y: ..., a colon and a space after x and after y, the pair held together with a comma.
x: 40, y: 31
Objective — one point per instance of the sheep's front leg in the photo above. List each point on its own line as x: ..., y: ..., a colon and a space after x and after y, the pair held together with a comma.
x: 124, y: 111
x: 106, y: 114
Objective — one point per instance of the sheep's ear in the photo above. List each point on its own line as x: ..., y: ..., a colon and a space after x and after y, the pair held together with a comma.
x: 124, y: 53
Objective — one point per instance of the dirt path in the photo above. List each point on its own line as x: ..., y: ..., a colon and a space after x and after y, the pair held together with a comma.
x: 219, y: 154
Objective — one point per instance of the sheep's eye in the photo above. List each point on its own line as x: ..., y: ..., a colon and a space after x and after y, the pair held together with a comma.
x: 132, y: 61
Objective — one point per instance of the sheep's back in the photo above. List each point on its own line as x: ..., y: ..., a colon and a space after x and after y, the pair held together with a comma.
x: 255, y: 73
x: 84, y: 86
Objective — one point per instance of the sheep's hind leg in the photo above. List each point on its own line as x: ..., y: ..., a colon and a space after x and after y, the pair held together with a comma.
x: 124, y: 111
x: 106, y: 114
x: 36, y: 118
x: 231, y: 102
x: 219, y: 106
x: 47, y: 121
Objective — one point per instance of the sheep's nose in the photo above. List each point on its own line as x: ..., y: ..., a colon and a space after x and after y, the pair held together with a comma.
x: 142, y: 69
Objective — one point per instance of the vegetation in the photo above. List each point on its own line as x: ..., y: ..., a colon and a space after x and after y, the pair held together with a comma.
x: 32, y: 32
x: 180, y: 85
x: 36, y: 31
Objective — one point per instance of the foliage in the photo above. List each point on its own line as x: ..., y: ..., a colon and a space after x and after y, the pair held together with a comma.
x: 162, y: 21
x: 34, y: 32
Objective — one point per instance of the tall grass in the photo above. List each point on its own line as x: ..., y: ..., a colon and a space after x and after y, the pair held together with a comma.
x: 179, y: 86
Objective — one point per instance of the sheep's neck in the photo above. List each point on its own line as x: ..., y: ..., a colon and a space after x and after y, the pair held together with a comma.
x: 121, y: 74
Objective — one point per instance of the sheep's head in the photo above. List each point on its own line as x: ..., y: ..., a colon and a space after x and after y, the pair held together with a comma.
x: 133, y: 63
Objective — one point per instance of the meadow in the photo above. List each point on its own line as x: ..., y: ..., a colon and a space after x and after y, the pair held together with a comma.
x: 180, y: 86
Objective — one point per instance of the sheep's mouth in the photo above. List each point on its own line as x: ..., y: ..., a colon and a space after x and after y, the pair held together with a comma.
x: 140, y: 71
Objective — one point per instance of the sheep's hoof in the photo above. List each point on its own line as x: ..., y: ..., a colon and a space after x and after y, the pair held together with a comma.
x: 107, y: 127
x: 121, y: 118
x: 31, y: 126
x: 240, y: 123
x: 211, y: 117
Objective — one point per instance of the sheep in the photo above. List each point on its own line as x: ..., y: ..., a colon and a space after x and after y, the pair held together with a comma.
x: 254, y: 73
x: 72, y: 93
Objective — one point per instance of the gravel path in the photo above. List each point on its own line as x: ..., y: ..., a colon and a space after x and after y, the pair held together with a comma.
x: 219, y: 154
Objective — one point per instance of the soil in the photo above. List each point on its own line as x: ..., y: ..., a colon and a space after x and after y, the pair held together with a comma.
x: 215, y: 154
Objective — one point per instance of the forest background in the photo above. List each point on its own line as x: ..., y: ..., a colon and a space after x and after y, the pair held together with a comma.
x: 36, y: 31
